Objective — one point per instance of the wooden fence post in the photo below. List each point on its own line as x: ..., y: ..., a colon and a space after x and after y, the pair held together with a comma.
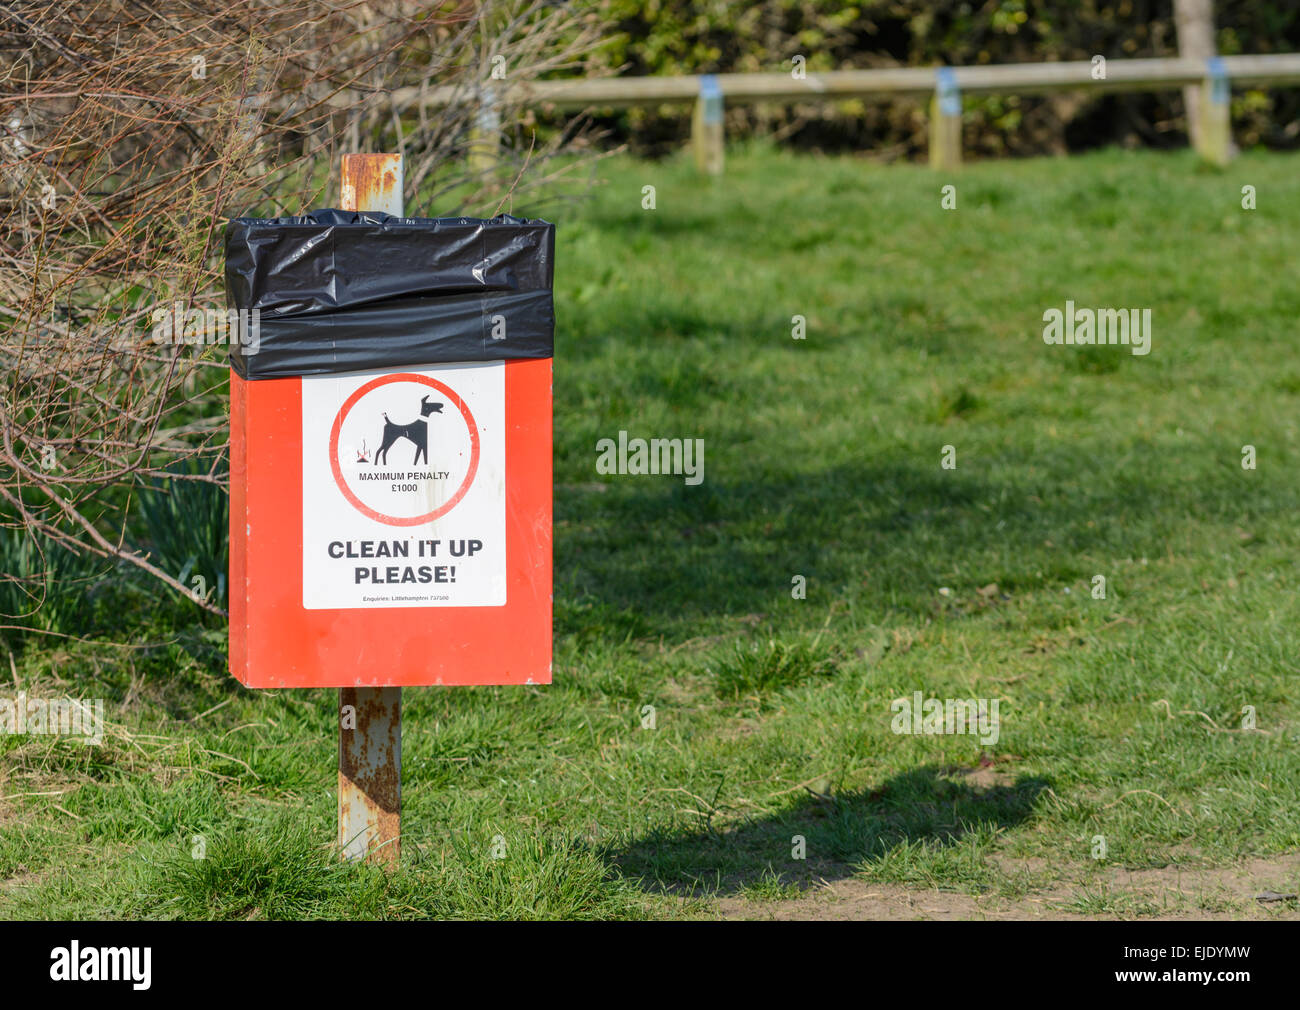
x: 707, y: 137
x: 485, y: 134
x: 945, y: 121
x: 1194, y: 25
x: 1215, y: 113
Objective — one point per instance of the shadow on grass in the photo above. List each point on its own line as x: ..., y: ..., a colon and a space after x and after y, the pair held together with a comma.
x: 915, y: 822
x: 893, y: 529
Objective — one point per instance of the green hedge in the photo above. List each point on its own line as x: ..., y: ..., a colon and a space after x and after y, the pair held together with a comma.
x: 673, y: 37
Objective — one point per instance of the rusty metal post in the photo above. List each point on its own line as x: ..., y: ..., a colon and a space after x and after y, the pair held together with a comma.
x: 370, y: 774
x: 370, y: 718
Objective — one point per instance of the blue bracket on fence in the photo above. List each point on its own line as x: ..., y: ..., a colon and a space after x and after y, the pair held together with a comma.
x: 711, y: 97
x: 1220, y: 88
x: 948, y: 92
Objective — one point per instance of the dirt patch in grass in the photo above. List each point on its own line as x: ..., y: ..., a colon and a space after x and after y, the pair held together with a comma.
x: 1168, y: 893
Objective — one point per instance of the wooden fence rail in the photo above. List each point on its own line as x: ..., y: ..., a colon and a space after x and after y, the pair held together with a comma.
x: 1118, y: 75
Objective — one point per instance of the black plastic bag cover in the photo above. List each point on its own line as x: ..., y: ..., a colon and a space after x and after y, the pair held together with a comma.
x: 342, y: 291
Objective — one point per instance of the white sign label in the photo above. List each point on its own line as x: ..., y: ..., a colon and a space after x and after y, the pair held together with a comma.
x: 403, y: 488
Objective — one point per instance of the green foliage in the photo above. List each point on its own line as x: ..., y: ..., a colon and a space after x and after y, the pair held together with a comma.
x: 760, y: 669
x: 276, y: 868
x: 270, y: 869
x: 44, y: 585
x: 184, y: 528
x: 187, y: 526
x: 676, y: 37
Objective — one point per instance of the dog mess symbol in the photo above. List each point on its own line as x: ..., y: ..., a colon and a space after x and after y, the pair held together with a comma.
x: 445, y: 447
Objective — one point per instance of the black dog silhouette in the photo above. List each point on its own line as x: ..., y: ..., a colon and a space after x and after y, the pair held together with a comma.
x: 416, y: 431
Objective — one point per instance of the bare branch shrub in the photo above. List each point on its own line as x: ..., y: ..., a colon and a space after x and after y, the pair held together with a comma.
x: 131, y: 132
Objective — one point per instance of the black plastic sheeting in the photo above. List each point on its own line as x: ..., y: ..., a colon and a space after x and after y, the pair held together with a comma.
x: 343, y: 291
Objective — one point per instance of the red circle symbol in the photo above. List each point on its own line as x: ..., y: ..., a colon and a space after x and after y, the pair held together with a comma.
x: 451, y: 502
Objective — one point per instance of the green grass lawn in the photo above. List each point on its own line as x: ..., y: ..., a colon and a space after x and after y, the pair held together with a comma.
x: 1119, y: 717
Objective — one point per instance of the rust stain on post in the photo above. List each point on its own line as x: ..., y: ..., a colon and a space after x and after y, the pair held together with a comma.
x: 370, y: 749
x: 370, y: 774
x: 372, y: 182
